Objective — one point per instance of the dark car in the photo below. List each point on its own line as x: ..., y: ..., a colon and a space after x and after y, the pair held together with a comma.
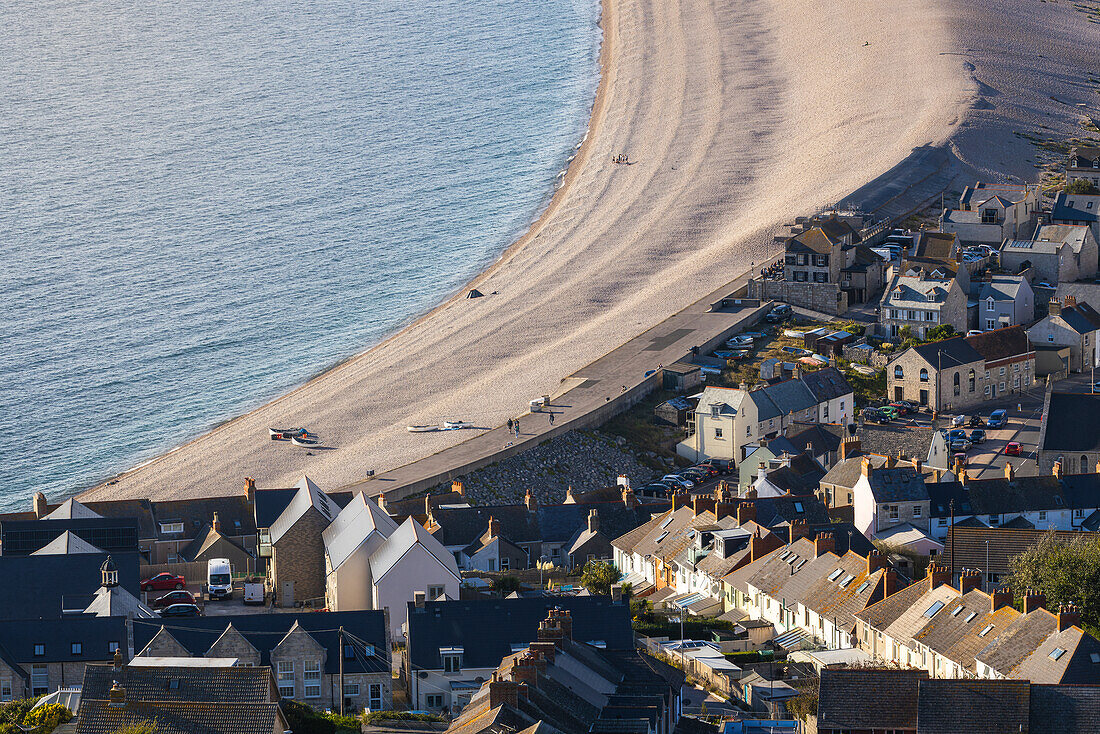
x: 163, y: 581
x: 870, y: 413
x: 956, y: 433
x: 977, y: 436
x: 719, y: 465
x: 173, y: 597
x: 976, y: 421
x: 707, y: 469
x: 180, y: 610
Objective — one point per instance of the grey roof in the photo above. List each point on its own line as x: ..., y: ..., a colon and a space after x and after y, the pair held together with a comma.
x: 843, y: 697
x: 1071, y: 424
x: 32, y: 588
x: 782, y: 398
x: 1002, y: 287
x: 71, y: 509
x: 846, y: 473
x: 826, y: 384
x: 899, y: 484
x: 307, y: 496
x: 961, y: 706
x: 1082, y: 318
x: 118, y: 602
x: 982, y: 192
x: 409, y: 534
x: 911, y: 291
x: 948, y: 353
x: 67, y: 542
x: 57, y: 635
x: 1075, y: 208
x: 1057, y: 709
x: 1072, y: 234
x: 362, y: 521
x: 1032, y: 247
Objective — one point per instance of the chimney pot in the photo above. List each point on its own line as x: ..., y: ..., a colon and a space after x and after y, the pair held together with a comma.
x: 1034, y: 600
x: 849, y: 447
x: 824, y: 543
x: 593, y: 521
x: 746, y: 511
x: 457, y: 486
x: 1069, y: 302
x: 969, y: 580
x: 701, y: 504
x: 39, y: 505
x: 938, y: 576
x: 1068, y: 616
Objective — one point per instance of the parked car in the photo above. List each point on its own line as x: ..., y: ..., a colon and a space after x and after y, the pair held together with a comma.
x: 678, y: 481
x: 977, y: 436
x: 960, y: 444
x: 163, y: 581
x: 998, y: 418
x: 955, y: 433
x: 707, y: 469
x: 976, y: 421
x: 901, y: 407
x: 779, y: 313
x: 173, y: 597
x: 654, y: 488
x: 720, y: 466
x: 1012, y: 449
x: 870, y: 413
x: 889, y: 411
x: 180, y: 610
x: 974, y: 332
x: 959, y: 420
x: 219, y: 578
x: 913, y: 407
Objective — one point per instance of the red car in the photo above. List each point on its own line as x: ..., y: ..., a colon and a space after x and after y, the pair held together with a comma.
x: 903, y: 408
x: 174, y: 597
x: 1012, y: 449
x: 163, y: 581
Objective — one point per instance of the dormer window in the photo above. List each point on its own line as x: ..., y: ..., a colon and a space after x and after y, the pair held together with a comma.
x: 931, y: 296
x: 989, y: 304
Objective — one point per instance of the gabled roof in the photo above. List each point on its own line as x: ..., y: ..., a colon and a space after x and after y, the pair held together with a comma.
x: 900, y: 483
x: 961, y: 706
x: 1011, y: 341
x: 408, y: 535
x: 846, y: 473
x: 58, y: 635
x: 1082, y: 318
x: 914, y: 291
x: 981, y: 191
x: 1075, y: 665
x: 937, y: 245
x: 308, y: 496
x: 1002, y: 287
x: 235, y: 512
x: 826, y: 384
x: 812, y: 240
x: 1073, y: 235
x: 1070, y: 423
x: 67, y: 542
x: 265, y: 631
x: 825, y: 438
x: 361, y: 521
x: 31, y: 587
x: 843, y: 697
x: 118, y: 602
x: 1075, y: 208
x: 948, y: 353
x: 71, y: 509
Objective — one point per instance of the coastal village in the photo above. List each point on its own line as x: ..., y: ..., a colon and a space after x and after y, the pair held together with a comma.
x: 869, y: 502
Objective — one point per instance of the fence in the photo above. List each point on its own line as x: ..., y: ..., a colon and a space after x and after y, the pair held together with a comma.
x: 193, y: 571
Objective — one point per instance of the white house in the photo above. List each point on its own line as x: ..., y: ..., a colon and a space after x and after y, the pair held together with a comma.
x: 353, y: 537
x: 411, y: 560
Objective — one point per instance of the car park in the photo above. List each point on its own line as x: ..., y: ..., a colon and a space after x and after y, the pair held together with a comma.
x: 678, y: 481
x: 163, y: 581
x: 870, y: 413
x: 1012, y: 449
x: 977, y: 436
x: 998, y: 418
x: 707, y: 469
x: 889, y: 411
x: 956, y: 433
x: 180, y: 610
x: 901, y: 408
x: 173, y: 597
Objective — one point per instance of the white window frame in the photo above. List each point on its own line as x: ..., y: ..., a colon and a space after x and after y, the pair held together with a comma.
x: 285, y: 678
x: 452, y: 662
x: 311, y: 679
x: 40, y: 678
x: 375, y: 699
x: 351, y: 689
x: 171, y: 528
x: 5, y: 689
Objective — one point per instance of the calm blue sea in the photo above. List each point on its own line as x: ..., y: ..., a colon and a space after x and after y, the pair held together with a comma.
x: 204, y: 204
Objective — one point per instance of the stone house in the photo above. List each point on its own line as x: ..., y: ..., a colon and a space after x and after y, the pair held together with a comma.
x: 922, y: 302
x: 303, y: 650
x: 1070, y: 324
x: 1070, y: 433
x: 38, y: 656
x: 1005, y: 300
x: 1058, y: 253
x: 890, y: 495
x: 268, y: 504
x: 297, y: 569
x: 992, y: 213
x: 937, y: 253
x: 1083, y: 163
x: 944, y: 375
x: 1009, y: 360
x: 1077, y: 209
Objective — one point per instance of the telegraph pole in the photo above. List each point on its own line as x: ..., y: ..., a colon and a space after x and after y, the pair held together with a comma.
x: 341, y: 636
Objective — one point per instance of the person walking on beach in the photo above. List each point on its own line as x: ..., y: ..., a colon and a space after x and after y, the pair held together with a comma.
x: 511, y: 423
x: 516, y: 426
x: 551, y: 419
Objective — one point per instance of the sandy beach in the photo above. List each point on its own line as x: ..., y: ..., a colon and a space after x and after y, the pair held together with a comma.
x: 736, y: 116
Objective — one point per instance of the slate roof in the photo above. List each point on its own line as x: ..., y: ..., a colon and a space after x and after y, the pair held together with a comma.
x: 826, y: 384
x: 1064, y: 709
x: 1082, y: 318
x: 812, y: 240
x: 782, y: 398
x: 1072, y: 234
x: 1070, y: 423
x: 19, y: 636
x: 97, y: 717
x: 1085, y: 151
x: 824, y: 438
x: 898, y: 484
x: 800, y: 477
x: 938, y: 245
x: 883, y: 614
x: 1072, y: 208
x: 1002, y: 287
x: 266, y: 631
x: 67, y: 542
x: 114, y: 535
x: 847, y: 472
x: 32, y: 588
x: 982, y: 191
x: 270, y: 503
x: 948, y: 353
x: 117, y: 602
x: 486, y: 629
x: 151, y: 683
x: 234, y: 512
x: 1011, y: 341
x: 961, y: 706
x: 843, y: 697
x: 308, y: 496
x: 965, y: 547
x: 912, y: 291
x: 71, y: 509
x: 1076, y: 665
x: 409, y: 534
x: 361, y: 521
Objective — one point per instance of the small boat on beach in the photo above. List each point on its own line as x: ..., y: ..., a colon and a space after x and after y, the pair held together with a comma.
x: 421, y: 429
x: 456, y: 425
x: 278, y: 434
x: 306, y: 442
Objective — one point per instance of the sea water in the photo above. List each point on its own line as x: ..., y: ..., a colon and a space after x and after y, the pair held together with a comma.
x: 204, y: 204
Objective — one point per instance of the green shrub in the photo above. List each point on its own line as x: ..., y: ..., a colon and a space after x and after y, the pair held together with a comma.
x: 48, y: 717
x: 13, y: 712
x: 145, y: 726
x: 398, y: 716
x: 1081, y: 186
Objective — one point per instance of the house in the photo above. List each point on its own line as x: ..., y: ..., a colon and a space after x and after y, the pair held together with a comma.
x: 350, y: 541
x: 892, y: 496
x: 1009, y: 361
x: 922, y: 302
x: 1069, y: 433
x: 945, y: 375
x: 1077, y: 209
x: 807, y: 589
x: 39, y: 656
x: 867, y: 700
x: 992, y: 549
x: 728, y: 419
x: 179, y: 699
x: 306, y: 651
x: 1059, y: 253
x: 1083, y: 163
x: 937, y: 253
x: 567, y: 686
x: 681, y: 376
x: 297, y: 568
x: 966, y: 633
x: 112, y: 535
x: 992, y: 213
x: 1072, y: 324
x: 787, y: 475
x: 1005, y: 300
x: 410, y: 561
x: 454, y: 645
x: 32, y: 590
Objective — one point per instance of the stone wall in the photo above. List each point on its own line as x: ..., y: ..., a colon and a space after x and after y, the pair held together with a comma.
x: 869, y: 357
x: 823, y: 297
x: 299, y: 556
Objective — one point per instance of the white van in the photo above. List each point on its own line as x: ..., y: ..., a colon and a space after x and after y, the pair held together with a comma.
x: 219, y: 578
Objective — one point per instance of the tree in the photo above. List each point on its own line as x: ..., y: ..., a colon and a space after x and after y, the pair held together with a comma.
x: 1081, y: 186
x: 1067, y: 571
x: 47, y: 718
x: 941, y: 332
x: 598, y: 576
x: 505, y: 584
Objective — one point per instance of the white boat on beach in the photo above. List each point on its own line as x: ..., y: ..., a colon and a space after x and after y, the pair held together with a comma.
x: 306, y: 442
x: 456, y: 425
x: 421, y: 429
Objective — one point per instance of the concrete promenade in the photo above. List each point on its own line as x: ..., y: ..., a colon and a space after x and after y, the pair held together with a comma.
x: 587, y: 398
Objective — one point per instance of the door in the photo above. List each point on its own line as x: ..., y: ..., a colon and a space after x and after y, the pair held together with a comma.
x: 994, y: 389
x: 924, y: 397
x: 897, y: 393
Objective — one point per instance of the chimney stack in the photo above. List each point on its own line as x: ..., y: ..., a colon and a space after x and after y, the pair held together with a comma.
x: 530, y: 501
x: 890, y: 583
x: 849, y: 447
x: 117, y: 696
x: 969, y: 580
x: 1069, y: 302
x: 799, y: 530
x: 1010, y: 471
x: 550, y: 632
x: 39, y: 505
x: 701, y: 504
x: 938, y: 576
x: 875, y: 561
x: 216, y: 523
x: 891, y: 461
x: 760, y: 546
x: 457, y: 486
x: 418, y: 599
x: 494, y: 527
x: 616, y: 593
x: 1097, y: 467
x: 918, y: 466
x: 569, y: 498
x: 523, y: 671
x: 1034, y: 600
x: 250, y: 490
x: 630, y: 500
x: 680, y: 499
x: 725, y: 509
x: 746, y: 511
x: 1068, y: 616
x: 865, y: 467
x: 962, y: 477
x: 502, y: 692
x: 1054, y: 307
x: 593, y: 521
x: 937, y: 475
x: 824, y: 543
x: 1057, y: 470
x: 547, y: 649
x: 1001, y: 598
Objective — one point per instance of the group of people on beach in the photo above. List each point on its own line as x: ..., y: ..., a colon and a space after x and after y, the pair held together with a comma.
x: 620, y: 158
x: 513, y: 424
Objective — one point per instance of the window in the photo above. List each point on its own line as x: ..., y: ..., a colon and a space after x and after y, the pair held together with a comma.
x: 5, y: 689
x: 916, y: 510
x: 437, y: 590
x: 375, y: 696
x: 989, y: 216
x: 841, y: 406
x: 286, y: 678
x: 931, y: 611
x: 718, y: 433
x: 911, y: 316
x: 311, y: 678
x: 820, y: 277
x: 1042, y: 514
x: 492, y: 564
x: 893, y: 511
x: 990, y: 324
x: 1056, y: 653
x: 77, y: 648
x: 863, y: 587
x: 847, y: 580
x: 351, y: 689
x: 798, y: 507
x: 835, y: 574
x: 171, y: 527
x: 434, y: 700
x: 40, y: 679
x: 898, y: 372
x: 994, y: 519
x: 989, y: 304
x: 504, y: 563
x: 956, y: 610
x: 1050, y: 337
x: 923, y: 374
x: 112, y: 646
x: 1078, y: 513
x: 955, y: 384
x: 941, y: 522
x: 39, y: 649
x: 986, y: 630
x: 452, y: 663
x: 930, y: 315
x: 893, y: 313
x: 1002, y: 371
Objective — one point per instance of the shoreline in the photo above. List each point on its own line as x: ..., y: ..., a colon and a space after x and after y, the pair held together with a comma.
x: 708, y: 99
